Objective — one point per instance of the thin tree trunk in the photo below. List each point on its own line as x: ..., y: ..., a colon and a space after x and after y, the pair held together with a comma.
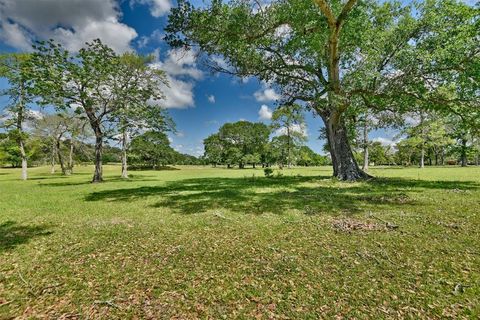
x: 464, y: 153
x: 289, y: 165
x: 365, y: 147
x: 24, y: 160
x: 124, y: 155
x: 345, y: 166
x: 52, y: 161
x: 60, y: 159
x: 70, y: 157
x: 98, y: 174
x: 422, y: 151
x: 422, y: 157
x: 21, y: 145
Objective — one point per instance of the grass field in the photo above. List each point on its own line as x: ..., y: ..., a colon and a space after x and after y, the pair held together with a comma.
x: 218, y: 243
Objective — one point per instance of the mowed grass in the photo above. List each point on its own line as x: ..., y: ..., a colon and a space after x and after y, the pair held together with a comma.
x: 199, y: 242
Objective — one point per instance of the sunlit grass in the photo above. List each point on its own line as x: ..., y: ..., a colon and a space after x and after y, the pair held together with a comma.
x: 200, y: 242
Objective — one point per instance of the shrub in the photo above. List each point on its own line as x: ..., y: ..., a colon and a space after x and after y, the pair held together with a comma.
x: 268, y: 172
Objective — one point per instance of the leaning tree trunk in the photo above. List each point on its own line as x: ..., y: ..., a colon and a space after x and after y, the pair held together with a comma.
x: 366, y: 159
x: 70, y: 157
x: 124, y: 155
x: 98, y: 174
x: 345, y: 166
x: 60, y: 159
x: 24, y: 159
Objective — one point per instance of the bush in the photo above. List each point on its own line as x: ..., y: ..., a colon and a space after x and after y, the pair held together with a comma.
x: 268, y: 172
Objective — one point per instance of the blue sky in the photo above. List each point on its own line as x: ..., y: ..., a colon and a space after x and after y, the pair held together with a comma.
x: 199, y: 101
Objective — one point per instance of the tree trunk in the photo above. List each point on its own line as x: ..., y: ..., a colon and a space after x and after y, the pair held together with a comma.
x: 344, y: 165
x: 24, y: 160
x: 98, y: 175
x: 365, y: 147
x: 289, y: 165
x: 464, y: 153
x: 70, y: 157
x: 422, y: 157
x: 124, y: 155
x: 21, y: 145
x: 60, y: 159
x: 54, y: 154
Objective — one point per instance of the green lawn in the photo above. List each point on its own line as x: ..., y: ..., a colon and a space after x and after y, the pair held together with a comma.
x: 213, y: 243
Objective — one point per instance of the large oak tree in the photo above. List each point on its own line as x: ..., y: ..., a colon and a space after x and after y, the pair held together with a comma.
x: 329, y: 54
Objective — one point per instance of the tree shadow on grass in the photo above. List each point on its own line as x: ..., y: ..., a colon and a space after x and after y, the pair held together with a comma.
x: 150, y: 168
x: 12, y: 234
x: 311, y: 195
x: 87, y: 182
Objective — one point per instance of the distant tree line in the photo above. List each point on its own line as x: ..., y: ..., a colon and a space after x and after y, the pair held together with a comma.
x: 67, y: 153
x: 423, y: 138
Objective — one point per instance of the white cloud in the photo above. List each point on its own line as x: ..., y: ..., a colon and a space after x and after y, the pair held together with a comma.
x: 13, y: 35
x: 300, y: 128
x: 266, y: 94
x: 283, y: 31
x: 181, y: 68
x: 385, y: 141
x: 158, y: 8
x: 220, y: 62
x: 155, y: 37
x: 265, y: 113
x: 412, y: 120
x: 181, y: 63
x: 245, y: 79
x: 71, y: 22
x: 211, y: 98
x: 179, y: 94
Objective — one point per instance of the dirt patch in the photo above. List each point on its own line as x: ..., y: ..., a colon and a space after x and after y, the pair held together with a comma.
x: 350, y: 225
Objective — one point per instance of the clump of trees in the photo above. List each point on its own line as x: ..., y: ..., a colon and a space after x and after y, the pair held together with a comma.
x: 115, y: 96
x: 152, y: 150
x: 245, y: 143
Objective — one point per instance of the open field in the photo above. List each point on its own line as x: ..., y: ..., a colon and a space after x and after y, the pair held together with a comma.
x: 213, y: 243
